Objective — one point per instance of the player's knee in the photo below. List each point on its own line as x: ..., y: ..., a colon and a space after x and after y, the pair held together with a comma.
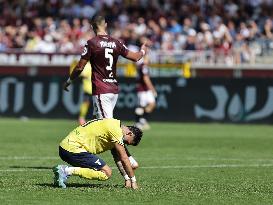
x: 139, y: 111
x: 107, y: 170
x: 153, y: 105
x: 150, y: 107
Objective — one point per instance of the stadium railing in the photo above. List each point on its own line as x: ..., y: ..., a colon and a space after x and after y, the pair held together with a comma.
x: 164, y: 63
x: 197, y: 58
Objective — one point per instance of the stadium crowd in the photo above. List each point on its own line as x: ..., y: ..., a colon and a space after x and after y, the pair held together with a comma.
x: 52, y: 26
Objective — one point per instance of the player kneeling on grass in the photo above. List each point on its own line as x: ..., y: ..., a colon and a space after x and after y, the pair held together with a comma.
x: 80, y: 147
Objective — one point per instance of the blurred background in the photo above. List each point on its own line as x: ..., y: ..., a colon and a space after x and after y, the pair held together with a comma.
x: 210, y: 60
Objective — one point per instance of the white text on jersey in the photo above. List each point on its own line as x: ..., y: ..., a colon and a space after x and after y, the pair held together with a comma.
x: 107, y: 44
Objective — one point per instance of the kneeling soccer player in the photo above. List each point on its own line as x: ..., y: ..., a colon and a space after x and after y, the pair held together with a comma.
x: 80, y: 147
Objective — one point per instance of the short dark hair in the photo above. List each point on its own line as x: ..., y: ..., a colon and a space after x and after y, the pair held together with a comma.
x: 95, y: 21
x: 137, y: 134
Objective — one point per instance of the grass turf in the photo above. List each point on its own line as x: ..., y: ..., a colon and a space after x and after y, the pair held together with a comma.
x: 180, y: 164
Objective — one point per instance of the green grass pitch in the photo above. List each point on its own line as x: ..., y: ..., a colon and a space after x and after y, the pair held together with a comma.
x: 180, y: 164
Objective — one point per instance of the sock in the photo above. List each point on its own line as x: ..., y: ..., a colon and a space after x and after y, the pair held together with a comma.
x: 143, y: 119
x: 84, y: 109
x: 69, y: 170
x: 139, y: 111
x: 87, y: 173
x: 146, y: 115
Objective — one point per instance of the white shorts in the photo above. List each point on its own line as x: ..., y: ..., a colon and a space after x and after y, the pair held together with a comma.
x: 104, y: 105
x: 145, y: 98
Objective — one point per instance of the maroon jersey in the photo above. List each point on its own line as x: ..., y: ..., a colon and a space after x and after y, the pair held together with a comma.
x: 142, y: 71
x: 103, y: 52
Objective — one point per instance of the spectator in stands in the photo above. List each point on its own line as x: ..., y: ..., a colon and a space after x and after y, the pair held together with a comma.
x: 268, y: 29
x: 171, y: 25
x: 3, y: 39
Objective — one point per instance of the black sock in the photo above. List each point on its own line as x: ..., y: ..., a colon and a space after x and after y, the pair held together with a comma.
x: 146, y: 115
x: 139, y: 112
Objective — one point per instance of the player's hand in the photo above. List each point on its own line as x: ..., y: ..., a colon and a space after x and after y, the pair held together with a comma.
x: 66, y: 85
x: 144, y: 47
x: 128, y: 184
x: 134, y: 185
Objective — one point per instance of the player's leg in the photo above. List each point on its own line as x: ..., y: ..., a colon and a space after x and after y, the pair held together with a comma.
x: 103, y: 174
x: 84, y: 164
x: 150, y: 106
x: 104, y: 105
x: 98, y: 110
x: 108, y: 102
x: 150, y: 100
x: 84, y: 108
x: 140, y: 109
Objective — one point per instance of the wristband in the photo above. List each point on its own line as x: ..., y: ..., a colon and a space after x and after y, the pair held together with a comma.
x: 143, y: 52
x: 126, y: 177
x: 133, y: 179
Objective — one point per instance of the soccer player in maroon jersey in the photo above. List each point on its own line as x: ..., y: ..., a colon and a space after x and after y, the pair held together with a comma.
x: 103, y: 51
x: 146, y: 95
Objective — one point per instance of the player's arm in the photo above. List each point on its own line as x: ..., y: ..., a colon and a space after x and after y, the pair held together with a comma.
x: 122, y: 155
x: 136, y: 56
x: 75, y: 73
x: 120, y: 168
x: 149, y: 84
x: 85, y: 56
x: 118, y: 162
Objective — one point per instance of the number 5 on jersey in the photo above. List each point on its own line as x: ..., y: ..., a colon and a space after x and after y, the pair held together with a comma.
x: 108, y: 55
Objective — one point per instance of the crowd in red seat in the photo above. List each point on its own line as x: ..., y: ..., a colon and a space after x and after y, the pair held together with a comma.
x: 63, y: 26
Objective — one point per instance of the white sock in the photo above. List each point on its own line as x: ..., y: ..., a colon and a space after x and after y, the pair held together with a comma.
x: 143, y: 121
x: 69, y: 170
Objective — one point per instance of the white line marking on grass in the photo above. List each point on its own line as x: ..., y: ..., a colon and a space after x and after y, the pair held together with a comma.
x: 24, y: 170
x: 209, y: 166
x: 145, y: 159
x: 162, y: 167
x: 27, y: 158
x: 229, y: 159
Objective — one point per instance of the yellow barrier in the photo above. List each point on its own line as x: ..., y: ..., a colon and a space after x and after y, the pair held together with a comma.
x: 130, y: 69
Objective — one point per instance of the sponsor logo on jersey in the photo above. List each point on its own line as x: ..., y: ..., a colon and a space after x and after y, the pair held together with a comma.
x: 108, y: 80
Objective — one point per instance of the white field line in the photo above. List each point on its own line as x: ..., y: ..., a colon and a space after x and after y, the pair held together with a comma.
x: 27, y: 158
x: 144, y: 159
x: 162, y: 167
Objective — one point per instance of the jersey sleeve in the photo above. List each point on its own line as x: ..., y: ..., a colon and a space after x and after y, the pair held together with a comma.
x: 123, y: 50
x: 86, y: 53
x: 115, y: 133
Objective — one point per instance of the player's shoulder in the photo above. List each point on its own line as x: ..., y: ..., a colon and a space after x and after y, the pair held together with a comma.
x: 92, y: 40
x: 111, y: 124
x: 118, y: 41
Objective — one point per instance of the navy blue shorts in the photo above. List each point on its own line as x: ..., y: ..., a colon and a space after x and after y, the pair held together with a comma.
x: 83, y: 159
